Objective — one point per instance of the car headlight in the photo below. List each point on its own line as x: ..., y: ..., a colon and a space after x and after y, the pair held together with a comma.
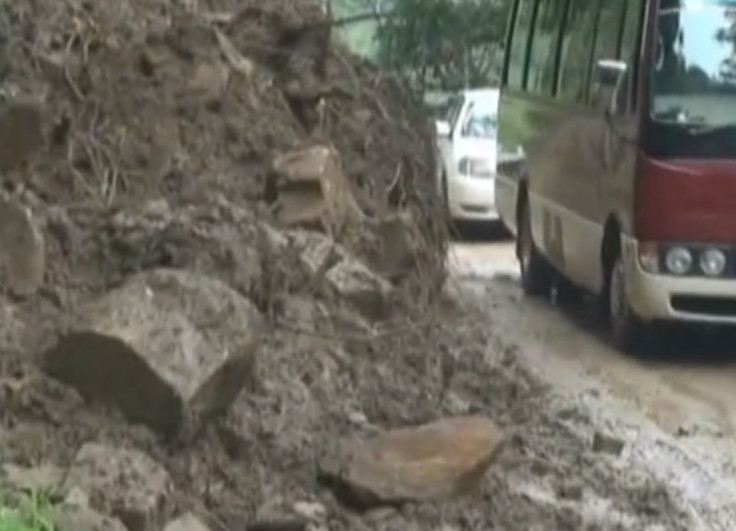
x: 678, y: 260
x: 712, y: 262
x: 476, y: 167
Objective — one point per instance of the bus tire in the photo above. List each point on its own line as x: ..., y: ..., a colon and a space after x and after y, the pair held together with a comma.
x: 536, y: 273
x: 626, y: 330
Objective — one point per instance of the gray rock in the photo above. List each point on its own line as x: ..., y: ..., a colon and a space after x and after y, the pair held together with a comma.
x: 44, y: 478
x: 81, y: 518
x: 607, y: 444
x: 125, y: 483
x: 355, y: 282
x: 186, y: 522
x: 166, y: 346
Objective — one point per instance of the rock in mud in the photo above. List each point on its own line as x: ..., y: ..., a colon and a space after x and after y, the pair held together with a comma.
x: 81, y: 518
x: 312, y: 190
x: 327, y: 261
x: 607, y: 444
x: 365, y: 290
x: 443, y: 459
x: 166, y: 346
x: 125, y: 483
x: 186, y: 522
x: 21, y: 132
x: 22, y: 248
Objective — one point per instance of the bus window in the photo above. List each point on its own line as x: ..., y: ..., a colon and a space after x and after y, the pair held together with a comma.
x: 630, y: 41
x: 577, y: 49
x: 519, y: 43
x: 545, y: 42
x: 609, y: 27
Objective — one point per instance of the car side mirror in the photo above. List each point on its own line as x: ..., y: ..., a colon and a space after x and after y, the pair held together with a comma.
x: 443, y: 129
x: 606, y: 81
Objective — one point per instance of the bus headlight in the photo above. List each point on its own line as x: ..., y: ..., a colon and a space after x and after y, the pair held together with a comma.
x: 678, y: 260
x: 712, y: 262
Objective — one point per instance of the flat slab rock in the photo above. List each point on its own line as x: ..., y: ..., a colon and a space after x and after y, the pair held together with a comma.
x: 166, y: 346
x: 124, y: 483
x: 186, y: 522
x: 443, y: 459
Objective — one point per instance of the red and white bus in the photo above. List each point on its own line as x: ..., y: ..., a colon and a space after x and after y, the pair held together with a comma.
x: 617, y: 156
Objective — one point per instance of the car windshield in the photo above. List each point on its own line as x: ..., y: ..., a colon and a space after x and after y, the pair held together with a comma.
x: 481, y: 121
x: 694, y: 71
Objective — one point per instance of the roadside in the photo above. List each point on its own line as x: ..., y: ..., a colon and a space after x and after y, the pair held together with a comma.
x: 673, y: 418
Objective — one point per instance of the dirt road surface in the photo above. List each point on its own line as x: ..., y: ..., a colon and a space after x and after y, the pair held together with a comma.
x: 675, y: 409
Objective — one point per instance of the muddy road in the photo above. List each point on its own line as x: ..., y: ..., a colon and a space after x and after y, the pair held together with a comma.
x: 675, y: 409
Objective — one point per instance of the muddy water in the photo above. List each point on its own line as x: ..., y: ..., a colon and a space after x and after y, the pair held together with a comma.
x: 676, y: 409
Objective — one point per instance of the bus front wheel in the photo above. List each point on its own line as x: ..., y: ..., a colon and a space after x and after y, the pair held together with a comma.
x: 626, y: 329
x: 536, y: 273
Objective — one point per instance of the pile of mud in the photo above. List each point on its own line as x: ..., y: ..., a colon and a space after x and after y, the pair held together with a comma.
x: 188, y: 100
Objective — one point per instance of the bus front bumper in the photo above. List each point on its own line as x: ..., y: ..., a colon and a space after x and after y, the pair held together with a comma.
x: 669, y: 298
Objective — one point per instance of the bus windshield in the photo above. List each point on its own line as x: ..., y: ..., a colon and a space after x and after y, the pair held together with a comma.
x: 694, y: 68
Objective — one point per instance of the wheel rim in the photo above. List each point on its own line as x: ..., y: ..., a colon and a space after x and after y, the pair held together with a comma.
x: 617, y: 296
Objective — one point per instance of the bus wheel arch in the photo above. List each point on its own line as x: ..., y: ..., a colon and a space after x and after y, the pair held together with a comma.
x: 611, y: 246
x: 626, y: 329
x: 536, y: 272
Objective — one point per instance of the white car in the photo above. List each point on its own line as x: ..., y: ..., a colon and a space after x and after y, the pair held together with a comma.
x: 467, y: 155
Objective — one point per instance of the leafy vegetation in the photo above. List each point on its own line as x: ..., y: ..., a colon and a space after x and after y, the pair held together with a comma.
x: 431, y: 44
x: 31, y: 513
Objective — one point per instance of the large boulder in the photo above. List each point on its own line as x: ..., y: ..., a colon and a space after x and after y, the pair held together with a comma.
x: 166, y: 346
x: 125, y: 483
x: 439, y: 460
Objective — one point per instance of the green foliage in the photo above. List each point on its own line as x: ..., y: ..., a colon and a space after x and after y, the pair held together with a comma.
x: 443, y: 44
x: 31, y: 513
x: 431, y: 44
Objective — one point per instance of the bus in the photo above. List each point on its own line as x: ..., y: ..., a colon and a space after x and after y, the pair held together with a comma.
x: 616, y: 167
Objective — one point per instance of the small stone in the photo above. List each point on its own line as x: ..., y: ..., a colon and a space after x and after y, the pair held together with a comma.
x: 312, y: 511
x: 607, y: 444
x: 209, y: 80
x: 443, y: 459
x: 358, y: 418
x: 167, y: 346
x: 125, y: 483
x: 45, y: 478
x: 570, y: 490
x: 78, y: 497
x: 186, y: 522
x: 22, y: 248
x: 79, y: 518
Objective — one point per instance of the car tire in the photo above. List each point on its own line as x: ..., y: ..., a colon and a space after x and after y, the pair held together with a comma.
x: 536, y: 273
x: 627, y: 331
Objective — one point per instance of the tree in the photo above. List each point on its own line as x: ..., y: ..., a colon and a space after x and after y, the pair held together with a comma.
x: 440, y: 44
